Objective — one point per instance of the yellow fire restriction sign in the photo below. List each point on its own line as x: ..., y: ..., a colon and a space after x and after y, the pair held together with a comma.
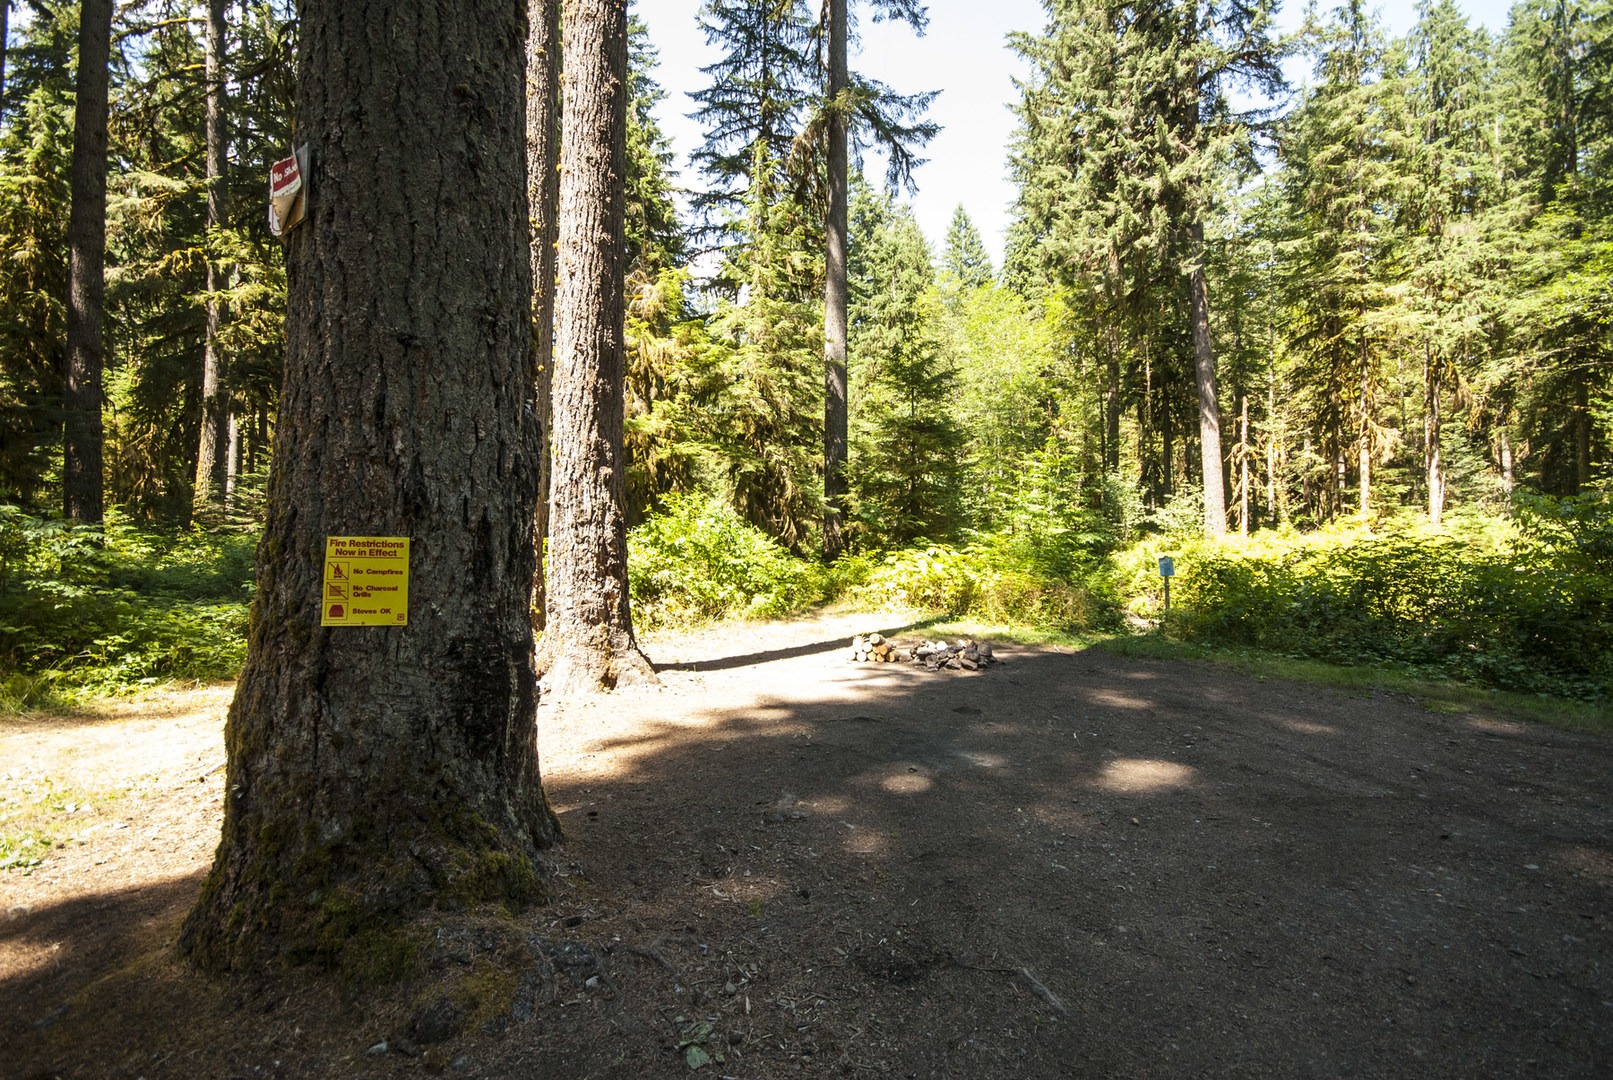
x: 366, y: 581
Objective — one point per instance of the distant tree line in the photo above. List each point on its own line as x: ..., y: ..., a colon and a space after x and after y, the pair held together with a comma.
x: 1380, y: 291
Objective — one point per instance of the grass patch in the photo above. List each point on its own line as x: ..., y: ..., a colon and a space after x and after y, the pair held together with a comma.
x: 954, y: 628
x: 37, y: 814
x: 1437, y: 695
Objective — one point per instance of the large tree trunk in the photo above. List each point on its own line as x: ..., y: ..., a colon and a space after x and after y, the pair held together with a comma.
x: 5, y: 39
x: 213, y: 439
x: 1582, y: 430
x: 588, y: 642
x: 834, y: 293
x: 375, y: 772
x: 1433, y: 463
x: 1243, y: 464
x: 1363, y: 442
x: 82, y: 430
x: 1215, y: 503
x: 543, y: 210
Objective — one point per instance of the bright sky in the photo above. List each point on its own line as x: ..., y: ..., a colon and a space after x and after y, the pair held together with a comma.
x: 964, y: 55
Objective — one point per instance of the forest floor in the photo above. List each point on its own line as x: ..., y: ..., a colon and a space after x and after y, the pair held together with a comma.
x: 779, y: 863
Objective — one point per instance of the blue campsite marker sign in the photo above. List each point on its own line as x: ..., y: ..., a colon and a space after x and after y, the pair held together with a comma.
x: 1167, y: 570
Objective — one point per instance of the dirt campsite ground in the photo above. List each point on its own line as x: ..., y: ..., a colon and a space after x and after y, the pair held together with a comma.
x: 783, y: 864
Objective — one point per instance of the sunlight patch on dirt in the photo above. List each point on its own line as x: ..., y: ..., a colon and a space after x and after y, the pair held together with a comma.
x: 1309, y: 727
x: 1496, y: 727
x: 1114, y: 700
x: 864, y: 841
x: 906, y: 783
x: 1143, y: 776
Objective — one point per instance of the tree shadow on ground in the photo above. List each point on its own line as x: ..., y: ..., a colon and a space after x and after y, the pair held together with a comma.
x: 1069, y: 864
x: 1144, y: 868
x: 752, y: 659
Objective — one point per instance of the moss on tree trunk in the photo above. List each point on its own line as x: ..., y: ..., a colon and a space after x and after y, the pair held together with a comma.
x: 374, y: 772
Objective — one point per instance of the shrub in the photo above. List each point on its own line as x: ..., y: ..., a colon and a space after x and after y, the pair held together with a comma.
x: 936, y: 578
x: 1511, y: 613
x: 106, y: 609
x: 1001, y: 578
x: 700, y: 561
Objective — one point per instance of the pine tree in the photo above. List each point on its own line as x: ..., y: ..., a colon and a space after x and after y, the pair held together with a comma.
x: 906, y: 467
x: 543, y: 63
x: 83, y: 432
x: 211, y: 452
x: 407, y: 414
x: 853, y: 105
x: 5, y: 41
x: 588, y: 641
x: 756, y: 98
x: 1344, y: 189
x: 1556, y: 64
x: 655, y: 238
x: 35, y: 156
x: 1127, y: 128
x: 1447, y: 264
x: 767, y: 346
x: 964, y: 259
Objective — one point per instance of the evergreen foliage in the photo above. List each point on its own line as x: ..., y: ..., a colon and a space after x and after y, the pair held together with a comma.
x: 964, y: 260
x: 907, y: 471
x: 1403, y: 269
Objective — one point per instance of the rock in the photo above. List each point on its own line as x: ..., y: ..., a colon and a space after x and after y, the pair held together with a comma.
x: 985, y: 650
x: 968, y: 664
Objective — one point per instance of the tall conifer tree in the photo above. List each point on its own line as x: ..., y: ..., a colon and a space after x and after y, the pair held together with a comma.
x: 84, y: 431
x: 964, y: 257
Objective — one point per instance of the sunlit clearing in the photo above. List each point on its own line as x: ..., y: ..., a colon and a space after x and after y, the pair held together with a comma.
x: 1142, y: 776
x: 1116, y: 701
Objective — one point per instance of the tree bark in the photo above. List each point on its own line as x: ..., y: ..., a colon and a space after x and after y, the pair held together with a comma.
x: 834, y: 294
x: 1243, y: 465
x: 543, y: 211
x: 1215, y: 500
x: 82, y: 430
x: 5, y: 40
x: 1506, y: 462
x: 1433, y: 464
x: 377, y: 772
x: 1364, y: 439
x: 213, y: 438
x: 1582, y: 431
x: 588, y: 642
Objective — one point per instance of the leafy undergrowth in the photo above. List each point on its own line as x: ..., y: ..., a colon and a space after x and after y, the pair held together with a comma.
x: 1523, y: 606
x: 1520, y: 603
x: 91, y: 610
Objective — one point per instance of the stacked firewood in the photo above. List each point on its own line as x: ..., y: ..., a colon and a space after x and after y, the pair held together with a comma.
x: 933, y: 655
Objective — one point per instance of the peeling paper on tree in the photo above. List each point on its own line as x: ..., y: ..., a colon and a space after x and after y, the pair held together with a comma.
x: 288, y: 192
x: 366, y: 581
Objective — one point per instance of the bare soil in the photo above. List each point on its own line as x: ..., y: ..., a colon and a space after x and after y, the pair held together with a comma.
x: 782, y: 864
